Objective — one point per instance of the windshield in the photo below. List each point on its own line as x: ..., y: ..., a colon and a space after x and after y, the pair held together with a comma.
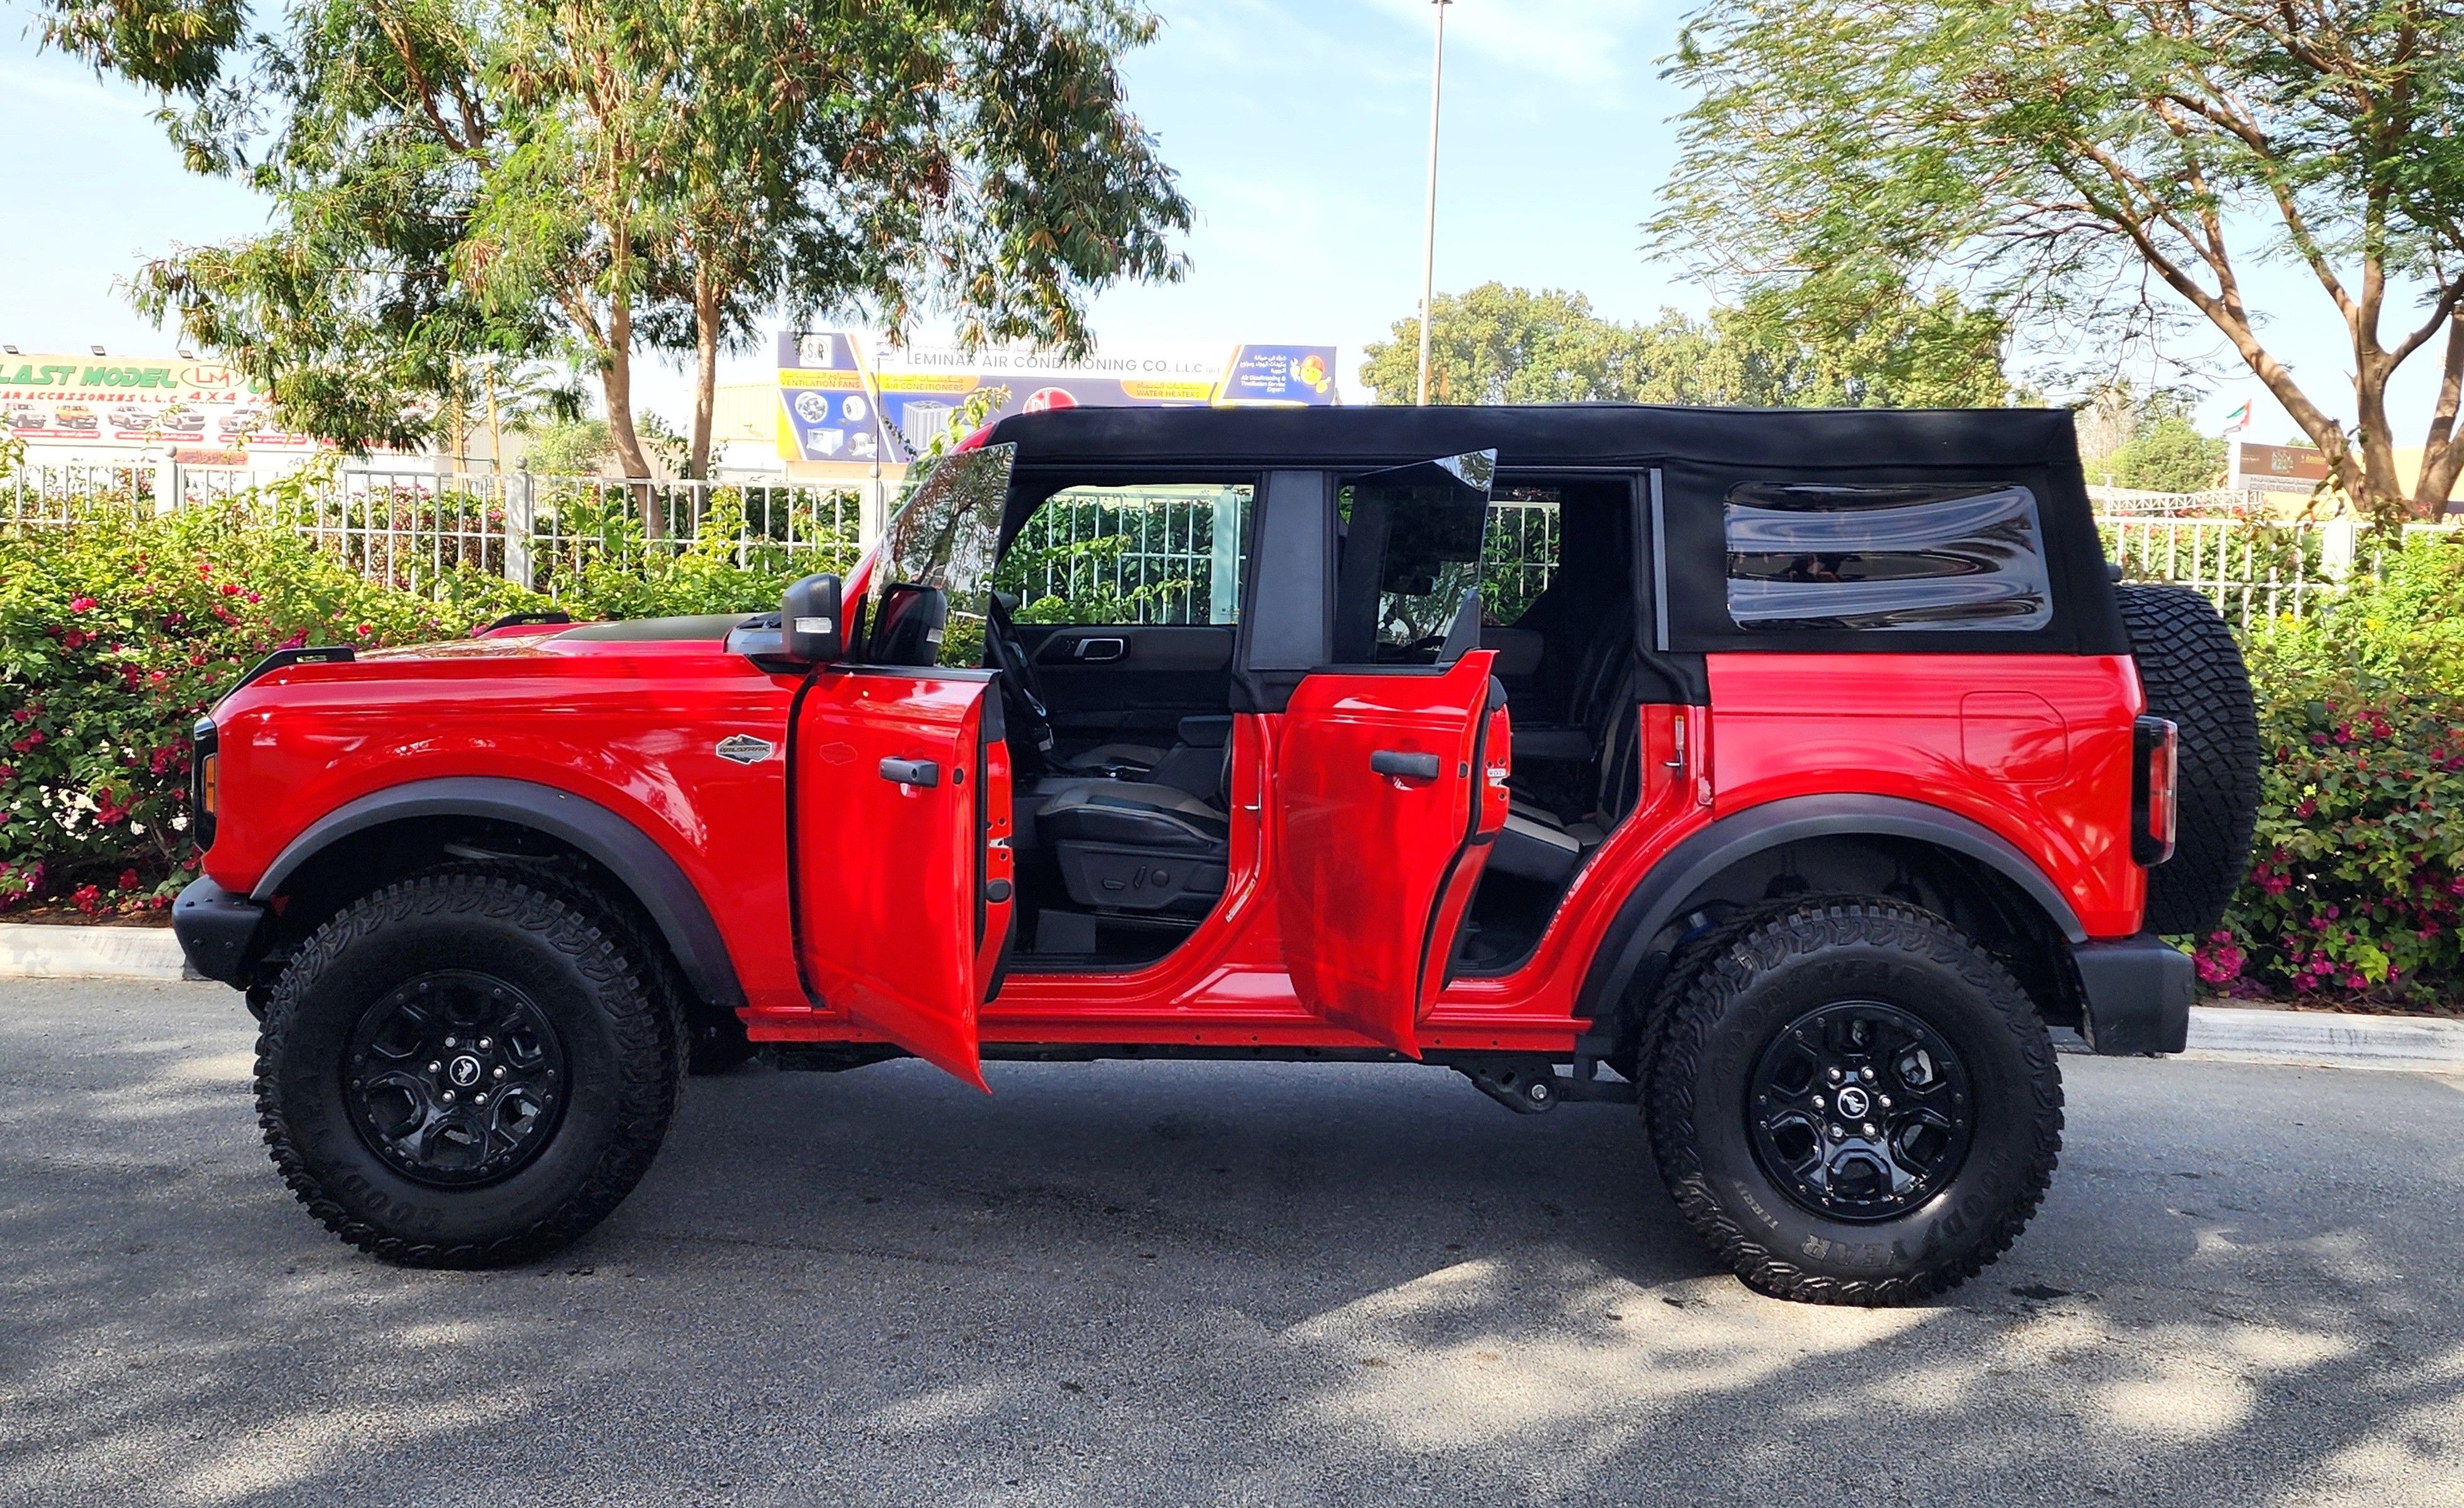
x: 945, y: 534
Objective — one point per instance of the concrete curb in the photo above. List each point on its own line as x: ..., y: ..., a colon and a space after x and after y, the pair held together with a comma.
x: 2325, y: 1039
x: 33, y: 950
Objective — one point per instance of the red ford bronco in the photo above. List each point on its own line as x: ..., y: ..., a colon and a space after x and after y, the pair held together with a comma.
x: 1790, y: 774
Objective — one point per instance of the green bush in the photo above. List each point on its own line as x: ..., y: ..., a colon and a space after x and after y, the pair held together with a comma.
x: 113, y: 638
x: 117, y: 631
x: 2356, y: 888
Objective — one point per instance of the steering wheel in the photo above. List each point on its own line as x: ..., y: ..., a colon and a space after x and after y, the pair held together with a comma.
x: 1022, y: 689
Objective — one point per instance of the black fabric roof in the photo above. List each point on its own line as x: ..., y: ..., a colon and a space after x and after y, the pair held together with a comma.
x: 1585, y: 433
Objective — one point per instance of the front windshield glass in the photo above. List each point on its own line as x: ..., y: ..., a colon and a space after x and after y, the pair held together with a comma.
x: 946, y: 534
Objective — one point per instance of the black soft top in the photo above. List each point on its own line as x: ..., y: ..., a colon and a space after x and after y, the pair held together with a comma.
x: 1549, y: 434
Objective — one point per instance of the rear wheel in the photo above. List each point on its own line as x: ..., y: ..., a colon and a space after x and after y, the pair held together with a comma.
x: 1853, y: 1103
x: 463, y: 1069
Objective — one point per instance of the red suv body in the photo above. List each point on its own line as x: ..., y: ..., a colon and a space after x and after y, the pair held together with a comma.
x: 1410, y: 785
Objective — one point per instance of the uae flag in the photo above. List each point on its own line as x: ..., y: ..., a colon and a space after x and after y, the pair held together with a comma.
x: 2238, y: 419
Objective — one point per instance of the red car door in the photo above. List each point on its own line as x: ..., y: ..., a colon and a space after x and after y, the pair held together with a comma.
x: 901, y: 883
x: 1383, y: 790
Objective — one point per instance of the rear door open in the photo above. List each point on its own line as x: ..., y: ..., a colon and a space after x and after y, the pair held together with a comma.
x: 1391, y: 766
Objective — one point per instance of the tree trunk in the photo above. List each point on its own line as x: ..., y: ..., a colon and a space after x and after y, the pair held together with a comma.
x: 496, y: 427
x: 616, y: 385
x: 706, y: 317
x: 2441, y: 458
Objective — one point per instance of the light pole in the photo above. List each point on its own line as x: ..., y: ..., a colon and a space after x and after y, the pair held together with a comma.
x: 1429, y: 227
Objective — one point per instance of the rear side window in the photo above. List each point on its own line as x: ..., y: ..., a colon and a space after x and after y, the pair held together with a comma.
x: 1956, y: 557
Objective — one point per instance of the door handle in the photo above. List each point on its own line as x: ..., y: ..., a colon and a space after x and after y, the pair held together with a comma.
x: 1404, y: 766
x: 921, y: 772
x: 1100, y: 650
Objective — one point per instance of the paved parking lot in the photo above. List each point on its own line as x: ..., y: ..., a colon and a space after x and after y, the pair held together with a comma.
x: 1154, y: 1284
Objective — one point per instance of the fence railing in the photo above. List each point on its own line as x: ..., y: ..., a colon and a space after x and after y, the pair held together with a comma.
x: 2258, y: 572
x: 1162, y: 555
x: 410, y: 527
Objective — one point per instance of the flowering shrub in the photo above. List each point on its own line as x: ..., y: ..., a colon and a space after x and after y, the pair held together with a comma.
x: 117, y: 632
x: 2356, y: 887
x: 113, y: 641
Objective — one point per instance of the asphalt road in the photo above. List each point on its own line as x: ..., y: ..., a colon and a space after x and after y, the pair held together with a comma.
x: 1184, y: 1283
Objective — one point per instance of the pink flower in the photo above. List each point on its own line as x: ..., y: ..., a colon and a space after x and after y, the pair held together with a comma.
x: 128, y: 879
x: 256, y: 596
x: 366, y: 629
x: 88, y: 898
x: 81, y: 605
x: 231, y: 588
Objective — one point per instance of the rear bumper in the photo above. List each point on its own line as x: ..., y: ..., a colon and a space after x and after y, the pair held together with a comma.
x: 218, y: 931
x: 2138, y: 993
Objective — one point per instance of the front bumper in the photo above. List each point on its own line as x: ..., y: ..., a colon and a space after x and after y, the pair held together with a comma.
x: 2138, y: 993
x: 218, y: 931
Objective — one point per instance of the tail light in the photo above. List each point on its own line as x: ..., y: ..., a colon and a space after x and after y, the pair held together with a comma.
x: 2155, y: 771
x: 205, y: 781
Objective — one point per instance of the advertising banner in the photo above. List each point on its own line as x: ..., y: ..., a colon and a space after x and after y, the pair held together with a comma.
x: 202, y: 413
x: 2279, y: 468
x: 846, y: 400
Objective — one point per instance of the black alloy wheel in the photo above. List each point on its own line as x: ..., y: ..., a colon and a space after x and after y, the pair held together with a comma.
x: 456, y: 1079
x: 469, y: 1068
x: 1851, y: 1102
x: 1860, y: 1111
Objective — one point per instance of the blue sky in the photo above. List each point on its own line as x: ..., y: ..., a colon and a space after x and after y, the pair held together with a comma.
x: 1299, y: 128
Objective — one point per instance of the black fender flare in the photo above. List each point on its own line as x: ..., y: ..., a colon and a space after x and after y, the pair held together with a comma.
x: 623, y: 849
x: 1693, y: 863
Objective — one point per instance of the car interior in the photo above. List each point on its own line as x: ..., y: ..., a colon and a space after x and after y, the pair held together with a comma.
x: 1115, y: 618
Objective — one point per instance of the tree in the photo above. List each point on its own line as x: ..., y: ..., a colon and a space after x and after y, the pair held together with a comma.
x: 2073, y: 156
x: 527, y: 176
x: 1781, y: 348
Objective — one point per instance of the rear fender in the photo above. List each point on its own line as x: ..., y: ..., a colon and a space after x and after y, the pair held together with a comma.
x: 1690, y: 868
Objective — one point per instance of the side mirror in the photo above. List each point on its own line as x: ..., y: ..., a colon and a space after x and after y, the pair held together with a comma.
x: 810, y: 629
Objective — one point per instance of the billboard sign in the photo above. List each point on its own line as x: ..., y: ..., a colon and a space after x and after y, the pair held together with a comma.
x: 846, y: 401
x: 201, y: 412
x: 2277, y: 468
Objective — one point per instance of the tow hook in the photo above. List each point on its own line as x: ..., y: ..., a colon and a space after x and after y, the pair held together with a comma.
x: 1525, y: 1084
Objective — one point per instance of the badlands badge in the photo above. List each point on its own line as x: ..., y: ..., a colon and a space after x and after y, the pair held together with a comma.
x: 745, y: 749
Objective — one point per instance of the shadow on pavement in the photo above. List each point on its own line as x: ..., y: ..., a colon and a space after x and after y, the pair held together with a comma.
x: 1159, y: 1283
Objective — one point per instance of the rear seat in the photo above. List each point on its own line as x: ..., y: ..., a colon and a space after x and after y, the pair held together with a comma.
x: 1547, y: 846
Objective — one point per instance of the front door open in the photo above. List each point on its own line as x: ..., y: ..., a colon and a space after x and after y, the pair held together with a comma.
x: 898, y: 779
x: 902, y: 889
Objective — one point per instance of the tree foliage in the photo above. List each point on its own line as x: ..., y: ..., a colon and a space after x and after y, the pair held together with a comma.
x: 1791, y: 347
x: 2078, y: 156
x: 511, y: 178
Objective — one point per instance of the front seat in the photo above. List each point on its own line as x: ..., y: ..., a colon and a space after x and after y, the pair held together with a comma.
x: 1131, y: 846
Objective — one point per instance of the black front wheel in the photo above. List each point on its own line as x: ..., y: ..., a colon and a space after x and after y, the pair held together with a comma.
x: 1852, y: 1102
x: 465, y: 1069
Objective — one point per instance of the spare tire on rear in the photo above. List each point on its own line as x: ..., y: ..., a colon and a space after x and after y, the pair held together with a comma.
x: 2192, y: 672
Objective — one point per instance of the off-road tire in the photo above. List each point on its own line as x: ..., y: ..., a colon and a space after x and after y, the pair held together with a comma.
x: 1763, y: 979
x: 622, y: 1036
x: 2192, y: 670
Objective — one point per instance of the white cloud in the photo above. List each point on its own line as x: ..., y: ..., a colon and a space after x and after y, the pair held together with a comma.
x: 1588, y: 43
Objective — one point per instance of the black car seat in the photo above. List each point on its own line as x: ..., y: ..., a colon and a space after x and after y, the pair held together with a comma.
x: 1133, y: 846
x: 1549, y: 845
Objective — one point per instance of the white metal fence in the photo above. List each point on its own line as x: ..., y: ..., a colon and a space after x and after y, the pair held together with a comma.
x: 410, y: 527
x: 1161, y: 555
x: 2257, y: 571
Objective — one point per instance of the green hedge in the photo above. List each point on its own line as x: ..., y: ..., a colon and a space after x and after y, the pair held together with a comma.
x: 117, y: 631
